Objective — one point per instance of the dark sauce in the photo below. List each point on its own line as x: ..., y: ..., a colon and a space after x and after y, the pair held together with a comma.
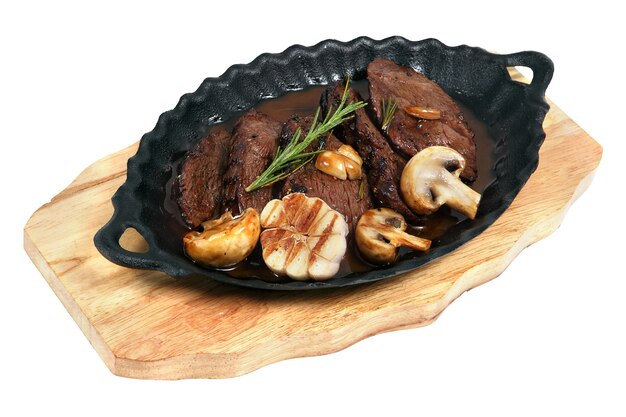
x: 305, y: 103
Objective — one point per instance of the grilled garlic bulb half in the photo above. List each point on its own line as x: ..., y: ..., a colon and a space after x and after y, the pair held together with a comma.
x: 303, y: 237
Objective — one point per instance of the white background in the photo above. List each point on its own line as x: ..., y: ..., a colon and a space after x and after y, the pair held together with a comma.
x: 80, y: 81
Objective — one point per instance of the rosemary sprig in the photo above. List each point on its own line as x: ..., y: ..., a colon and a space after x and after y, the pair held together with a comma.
x: 361, y: 192
x: 292, y: 157
x: 389, y: 110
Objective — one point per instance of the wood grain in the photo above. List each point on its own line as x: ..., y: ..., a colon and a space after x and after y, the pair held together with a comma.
x: 144, y: 324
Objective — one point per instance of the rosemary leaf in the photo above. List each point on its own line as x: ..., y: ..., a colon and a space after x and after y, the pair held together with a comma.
x: 361, y: 193
x: 389, y: 110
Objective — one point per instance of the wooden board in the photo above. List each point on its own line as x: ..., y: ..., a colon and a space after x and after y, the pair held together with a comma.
x: 145, y: 324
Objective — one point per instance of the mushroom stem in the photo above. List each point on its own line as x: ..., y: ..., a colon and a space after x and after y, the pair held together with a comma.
x: 399, y: 238
x: 457, y: 195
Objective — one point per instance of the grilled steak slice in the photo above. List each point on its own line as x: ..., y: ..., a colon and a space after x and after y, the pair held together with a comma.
x: 254, y: 142
x: 383, y: 166
x: 408, y: 134
x: 340, y: 195
x: 198, y: 188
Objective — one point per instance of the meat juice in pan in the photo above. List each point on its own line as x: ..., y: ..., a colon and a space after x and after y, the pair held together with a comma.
x: 305, y: 103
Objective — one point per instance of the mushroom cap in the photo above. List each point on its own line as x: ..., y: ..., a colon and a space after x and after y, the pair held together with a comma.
x: 225, y: 241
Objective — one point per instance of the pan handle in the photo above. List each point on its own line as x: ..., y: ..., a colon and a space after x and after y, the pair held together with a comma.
x: 107, y: 240
x: 542, y: 67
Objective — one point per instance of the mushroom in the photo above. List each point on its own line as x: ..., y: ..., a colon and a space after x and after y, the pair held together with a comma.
x: 303, y: 237
x: 344, y: 163
x: 225, y: 241
x: 431, y: 179
x: 381, y: 232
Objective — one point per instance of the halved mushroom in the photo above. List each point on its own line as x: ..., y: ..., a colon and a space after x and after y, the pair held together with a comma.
x: 381, y: 232
x: 225, y: 241
x: 431, y: 179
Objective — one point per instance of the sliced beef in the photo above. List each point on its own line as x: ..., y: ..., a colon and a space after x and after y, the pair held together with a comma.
x: 383, y: 166
x: 408, y: 134
x: 340, y: 195
x: 198, y: 188
x: 254, y: 143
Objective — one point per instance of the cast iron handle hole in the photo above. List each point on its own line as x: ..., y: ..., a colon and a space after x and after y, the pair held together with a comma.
x: 132, y: 241
x: 527, y: 72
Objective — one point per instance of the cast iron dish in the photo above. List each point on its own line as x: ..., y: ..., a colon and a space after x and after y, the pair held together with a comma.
x: 513, y: 111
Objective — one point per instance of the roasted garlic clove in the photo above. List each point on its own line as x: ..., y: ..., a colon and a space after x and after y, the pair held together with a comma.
x: 344, y: 163
x: 303, y: 237
x: 274, y: 215
x: 225, y: 241
x: 380, y: 232
x: 431, y: 179
x: 349, y: 152
x: 423, y: 112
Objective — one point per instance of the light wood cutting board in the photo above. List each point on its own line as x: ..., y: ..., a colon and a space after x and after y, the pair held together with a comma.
x: 145, y: 324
